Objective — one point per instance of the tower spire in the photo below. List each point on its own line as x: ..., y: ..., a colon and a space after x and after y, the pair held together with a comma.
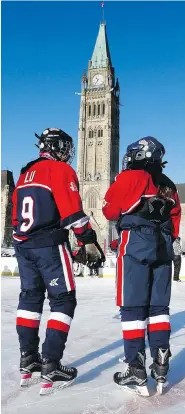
x: 101, y: 54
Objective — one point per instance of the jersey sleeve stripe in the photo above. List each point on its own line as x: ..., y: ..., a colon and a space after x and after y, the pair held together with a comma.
x: 82, y: 229
x: 19, y: 238
x: 81, y: 222
x: 74, y: 219
x: 137, y: 202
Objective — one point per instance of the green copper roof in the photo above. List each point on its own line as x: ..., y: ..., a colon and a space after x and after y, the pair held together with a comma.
x: 101, y: 51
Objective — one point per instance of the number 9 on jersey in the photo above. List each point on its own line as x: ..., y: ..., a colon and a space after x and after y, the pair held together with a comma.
x: 27, y: 213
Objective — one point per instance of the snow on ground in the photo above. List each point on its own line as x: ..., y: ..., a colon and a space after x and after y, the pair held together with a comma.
x: 94, y: 346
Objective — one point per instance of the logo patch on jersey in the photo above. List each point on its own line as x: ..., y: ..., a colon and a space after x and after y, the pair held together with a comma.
x: 73, y: 186
x: 104, y: 203
x: 54, y: 282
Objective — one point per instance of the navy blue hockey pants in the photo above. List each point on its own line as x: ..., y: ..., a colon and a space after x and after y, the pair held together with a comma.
x: 47, y: 268
x: 144, y: 270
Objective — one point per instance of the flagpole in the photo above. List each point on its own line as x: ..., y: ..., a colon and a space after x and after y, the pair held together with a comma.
x: 102, y: 5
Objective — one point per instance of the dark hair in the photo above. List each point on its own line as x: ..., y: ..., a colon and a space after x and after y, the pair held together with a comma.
x: 165, y: 192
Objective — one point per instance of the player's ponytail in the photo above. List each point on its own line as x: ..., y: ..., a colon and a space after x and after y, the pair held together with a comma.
x: 166, y: 193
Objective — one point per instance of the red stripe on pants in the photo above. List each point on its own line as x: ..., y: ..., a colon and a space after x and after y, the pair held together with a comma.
x: 120, y: 270
x: 29, y: 323
x: 60, y: 326
x: 160, y: 326
x: 68, y: 266
x: 135, y: 333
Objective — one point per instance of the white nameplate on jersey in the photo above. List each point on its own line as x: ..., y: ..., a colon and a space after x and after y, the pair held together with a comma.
x: 29, y: 176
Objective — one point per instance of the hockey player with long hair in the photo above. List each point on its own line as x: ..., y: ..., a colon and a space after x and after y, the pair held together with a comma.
x: 46, y: 205
x: 145, y: 204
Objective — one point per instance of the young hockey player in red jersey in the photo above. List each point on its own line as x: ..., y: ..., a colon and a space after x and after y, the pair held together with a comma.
x: 46, y: 204
x: 146, y: 205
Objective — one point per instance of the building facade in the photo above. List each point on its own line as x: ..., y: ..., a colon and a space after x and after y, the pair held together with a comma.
x: 7, y: 188
x: 98, y: 135
x: 181, y: 193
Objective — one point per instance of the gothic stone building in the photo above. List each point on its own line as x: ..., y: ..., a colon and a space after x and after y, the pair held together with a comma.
x: 7, y: 188
x: 98, y: 135
x: 181, y: 193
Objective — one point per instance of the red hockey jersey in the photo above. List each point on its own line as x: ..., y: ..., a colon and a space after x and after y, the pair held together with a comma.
x: 124, y: 196
x: 46, y: 204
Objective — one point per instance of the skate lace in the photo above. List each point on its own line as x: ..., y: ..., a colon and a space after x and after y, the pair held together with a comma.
x: 124, y: 373
x: 67, y: 369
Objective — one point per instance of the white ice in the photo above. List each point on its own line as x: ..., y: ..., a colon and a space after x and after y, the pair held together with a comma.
x: 94, y: 347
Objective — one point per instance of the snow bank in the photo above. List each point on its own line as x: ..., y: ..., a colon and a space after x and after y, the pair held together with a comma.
x: 9, y: 267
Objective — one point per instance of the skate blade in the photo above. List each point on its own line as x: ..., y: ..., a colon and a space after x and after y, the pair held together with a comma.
x: 50, y: 387
x: 28, y: 379
x: 141, y: 390
x: 160, y: 387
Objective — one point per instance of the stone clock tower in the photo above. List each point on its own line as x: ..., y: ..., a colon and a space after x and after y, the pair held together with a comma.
x: 98, y: 135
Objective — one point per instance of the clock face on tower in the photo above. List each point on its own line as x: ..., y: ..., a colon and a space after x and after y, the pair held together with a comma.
x: 97, y: 80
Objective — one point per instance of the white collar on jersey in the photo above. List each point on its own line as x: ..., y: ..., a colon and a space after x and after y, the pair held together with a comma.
x: 46, y: 155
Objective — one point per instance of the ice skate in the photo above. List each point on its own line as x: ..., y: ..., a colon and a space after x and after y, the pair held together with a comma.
x: 159, y: 369
x: 30, y: 363
x: 121, y: 359
x: 56, y: 375
x: 134, y: 377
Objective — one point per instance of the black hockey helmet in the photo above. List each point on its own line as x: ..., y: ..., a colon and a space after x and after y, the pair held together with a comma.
x: 142, y: 152
x: 57, y: 143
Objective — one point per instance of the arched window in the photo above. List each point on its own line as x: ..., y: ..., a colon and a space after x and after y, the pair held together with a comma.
x: 100, y: 133
x: 92, y: 200
x: 98, y: 109
x: 89, y: 110
x: 94, y: 110
x: 91, y: 133
x: 103, y: 109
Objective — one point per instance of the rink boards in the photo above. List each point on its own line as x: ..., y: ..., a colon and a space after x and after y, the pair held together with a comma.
x: 9, y: 267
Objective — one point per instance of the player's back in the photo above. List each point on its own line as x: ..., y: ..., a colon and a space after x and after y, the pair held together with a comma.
x: 36, y: 218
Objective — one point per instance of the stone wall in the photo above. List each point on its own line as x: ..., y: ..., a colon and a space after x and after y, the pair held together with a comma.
x: 182, y: 227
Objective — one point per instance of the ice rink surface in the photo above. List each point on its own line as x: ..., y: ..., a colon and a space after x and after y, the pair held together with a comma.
x: 94, y: 347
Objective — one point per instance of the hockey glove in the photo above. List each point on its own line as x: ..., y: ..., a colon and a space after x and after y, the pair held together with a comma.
x: 114, y: 245
x: 81, y: 256
x: 88, y: 237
